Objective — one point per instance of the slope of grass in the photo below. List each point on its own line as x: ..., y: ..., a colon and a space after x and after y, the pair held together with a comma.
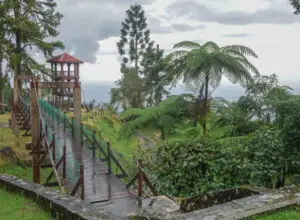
x: 288, y: 214
x: 14, y: 206
x: 7, y: 138
x: 4, y: 118
x: 110, y: 132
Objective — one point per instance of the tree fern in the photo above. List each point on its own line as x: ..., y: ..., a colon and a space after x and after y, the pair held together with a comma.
x: 164, y: 116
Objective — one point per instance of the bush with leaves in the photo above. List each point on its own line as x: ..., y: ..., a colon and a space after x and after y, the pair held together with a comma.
x: 189, y: 167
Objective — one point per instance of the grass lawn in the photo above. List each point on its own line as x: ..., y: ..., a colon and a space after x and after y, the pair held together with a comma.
x: 288, y: 214
x: 124, y: 146
x: 16, y: 207
x: 7, y: 138
x: 4, y: 118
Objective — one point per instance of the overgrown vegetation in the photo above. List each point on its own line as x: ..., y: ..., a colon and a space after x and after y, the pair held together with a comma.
x: 200, y: 143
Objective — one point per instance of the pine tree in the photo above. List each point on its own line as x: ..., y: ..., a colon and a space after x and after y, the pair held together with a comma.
x: 3, y: 45
x: 153, y: 64
x: 296, y: 6
x: 135, y: 37
x: 30, y: 24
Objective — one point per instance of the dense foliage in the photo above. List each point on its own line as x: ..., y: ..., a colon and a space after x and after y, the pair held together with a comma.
x: 191, y: 166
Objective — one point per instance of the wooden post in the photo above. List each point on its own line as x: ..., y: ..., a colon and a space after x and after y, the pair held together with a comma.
x: 53, y: 146
x: 81, y: 134
x: 16, y: 90
x: 41, y: 128
x: 108, y: 157
x: 140, y: 178
x: 35, y: 133
x: 82, y: 181
x: 72, y: 122
x: 64, y: 123
x: 77, y: 108
x: 46, y: 131
x: 65, y: 162
x: 94, y: 144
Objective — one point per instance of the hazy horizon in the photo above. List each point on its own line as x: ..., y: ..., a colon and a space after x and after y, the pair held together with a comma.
x: 100, y: 91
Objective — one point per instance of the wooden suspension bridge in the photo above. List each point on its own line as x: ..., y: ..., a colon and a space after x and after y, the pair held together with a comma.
x: 81, y: 162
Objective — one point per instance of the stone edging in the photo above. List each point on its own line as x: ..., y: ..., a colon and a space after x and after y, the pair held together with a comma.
x: 267, y: 200
x: 61, y: 206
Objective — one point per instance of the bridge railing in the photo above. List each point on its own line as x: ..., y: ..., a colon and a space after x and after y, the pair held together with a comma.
x: 67, y: 165
x: 95, y: 144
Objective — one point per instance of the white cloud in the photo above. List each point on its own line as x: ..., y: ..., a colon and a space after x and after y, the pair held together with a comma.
x: 107, y: 69
x: 276, y: 45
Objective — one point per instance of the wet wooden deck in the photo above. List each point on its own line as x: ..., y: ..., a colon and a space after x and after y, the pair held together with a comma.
x: 100, y: 187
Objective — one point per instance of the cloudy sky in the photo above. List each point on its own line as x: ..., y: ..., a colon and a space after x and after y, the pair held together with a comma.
x: 90, y: 30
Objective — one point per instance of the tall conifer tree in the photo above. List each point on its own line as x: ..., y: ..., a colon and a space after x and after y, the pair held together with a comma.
x: 30, y: 24
x: 135, y: 37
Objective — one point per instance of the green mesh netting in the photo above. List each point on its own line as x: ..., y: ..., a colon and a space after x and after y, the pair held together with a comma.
x: 93, y: 143
x: 72, y: 165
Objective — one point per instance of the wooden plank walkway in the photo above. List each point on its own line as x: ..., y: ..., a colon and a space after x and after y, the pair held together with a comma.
x: 100, y: 187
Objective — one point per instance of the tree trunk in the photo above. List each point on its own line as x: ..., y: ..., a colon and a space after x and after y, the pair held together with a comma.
x: 18, y: 39
x: 198, y: 102
x: 136, y: 55
x: 162, y: 132
x: 1, y: 84
x: 205, y: 104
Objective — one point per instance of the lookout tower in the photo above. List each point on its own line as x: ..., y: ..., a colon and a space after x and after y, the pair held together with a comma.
x: 65, y: 68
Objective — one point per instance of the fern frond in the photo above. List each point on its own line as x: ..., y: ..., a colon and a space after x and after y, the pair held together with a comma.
x: 241, y: 49
x: 187, y: 45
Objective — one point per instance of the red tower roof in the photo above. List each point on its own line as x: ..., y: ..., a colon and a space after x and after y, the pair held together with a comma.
x: 64, y: 58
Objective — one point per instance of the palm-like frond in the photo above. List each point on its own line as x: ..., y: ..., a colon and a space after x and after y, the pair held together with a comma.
x: 178, y: 54
x: 163, y: 116
x: 187, y: 45
x: 131, y: 112
x: 210, y: 46
x: 233, y: 70
x: 246, y: 51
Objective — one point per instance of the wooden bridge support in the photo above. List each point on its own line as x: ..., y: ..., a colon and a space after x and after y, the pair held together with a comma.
x: 35, y: 123
x: 16, y: 90
x: 77, y: 112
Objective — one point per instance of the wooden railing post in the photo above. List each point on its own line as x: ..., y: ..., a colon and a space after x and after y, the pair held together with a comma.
x: 81, y: 134
x: 46, y: 130
x: 94, y: 144
x: 64, y: 162
x: 72, y: 122
x: 64, y: 123
x: 140, y: 178
x: 41, y: 128
x: 82, y: 181
x: 53, y: 146
x: 108, y: 157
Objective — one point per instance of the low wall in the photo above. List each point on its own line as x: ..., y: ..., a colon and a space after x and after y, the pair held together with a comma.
x: 60, y: 205
x: 267, y: 200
